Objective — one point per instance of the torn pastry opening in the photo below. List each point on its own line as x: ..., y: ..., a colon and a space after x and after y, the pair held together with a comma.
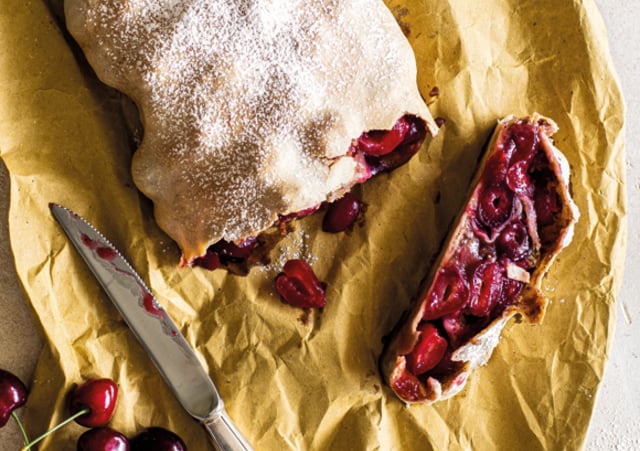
x: 518, y: 216
x: 374, y: 152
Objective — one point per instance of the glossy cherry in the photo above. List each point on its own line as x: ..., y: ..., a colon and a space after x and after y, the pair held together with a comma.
x: 486, y: 286
x: 13, y: 394
x: 514, y: 241
x: 429, y: 350
x: 103, y: 439
x: 157, y: 439
x: 341, y: 214
x: 448, y: 294
x: 547, y: 205
x: 495, y: 205
x: 408, y: 386
x: 298, y: 285
x: 411, y: 143
x: 381, y: 142
x: 97, y: 395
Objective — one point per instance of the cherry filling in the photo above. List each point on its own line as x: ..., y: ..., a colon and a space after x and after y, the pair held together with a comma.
x: 472, y: 286
x: 298, y: 285
x: 376, y: 151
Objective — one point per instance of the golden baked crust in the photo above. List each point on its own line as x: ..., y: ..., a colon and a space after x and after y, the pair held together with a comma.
x: 546, y: 240
x: 249, y: 107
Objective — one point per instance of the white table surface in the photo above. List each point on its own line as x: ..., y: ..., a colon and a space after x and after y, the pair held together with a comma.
x: 616, y: 420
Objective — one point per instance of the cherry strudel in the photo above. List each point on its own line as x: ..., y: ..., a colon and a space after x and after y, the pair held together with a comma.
x: 254, y: 110
x: 518, y: 217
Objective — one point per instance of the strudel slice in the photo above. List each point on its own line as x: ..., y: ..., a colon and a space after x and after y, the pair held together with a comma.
x: 254, y: 110
x: 518, y: 217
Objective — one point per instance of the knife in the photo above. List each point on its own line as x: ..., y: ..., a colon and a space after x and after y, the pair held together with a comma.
x: 154, y: 329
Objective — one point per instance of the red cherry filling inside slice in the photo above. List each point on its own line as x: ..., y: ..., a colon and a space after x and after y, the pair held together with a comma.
x: 429, y: 351
x: 448, y: 294
x: 495, y: 205
x: 498, y: 237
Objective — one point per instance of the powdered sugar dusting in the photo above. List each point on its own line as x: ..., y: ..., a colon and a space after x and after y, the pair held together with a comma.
x: 248, y: 105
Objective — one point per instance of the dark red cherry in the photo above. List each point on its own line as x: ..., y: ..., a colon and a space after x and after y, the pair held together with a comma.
x: 103, y: 439
x: 429, y: 350
x: 495, y: 204
x: 381, y: 142
x: 511, y: 289
x: 448, y: 293
x: 408, y: 386
x: 514, y: 241
x: 341, y: 214
x: 518, y: 178
x: 157, y: 439
x: 547, y: 205
x: 231, y: 250
x: 298, y: 285
x: 13, y: 394
x: 486, y: 286
x: 404, y: 151
x: 99, y: 396
x: 209, y: 261
x: 525, y: 137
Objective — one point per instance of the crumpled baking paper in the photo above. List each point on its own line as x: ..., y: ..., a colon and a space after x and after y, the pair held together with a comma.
x: 292, y: 381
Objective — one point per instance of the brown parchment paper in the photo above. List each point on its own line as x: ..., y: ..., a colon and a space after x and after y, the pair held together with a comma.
x: 295, y: 384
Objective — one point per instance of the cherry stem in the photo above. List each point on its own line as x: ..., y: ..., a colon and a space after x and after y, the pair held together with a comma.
x: 25, y: 437
x: 84, y: 411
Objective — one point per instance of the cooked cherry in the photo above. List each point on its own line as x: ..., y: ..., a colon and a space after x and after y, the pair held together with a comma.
x: 511, y: 289
x: 403, y: 152
x: 498, y: 164
x: 526, y: 139
x: 455, y: 326
x: 518, y: 179
x: 408, y: 387
x: 99, y: 396
x: 486, y: 286
x: 381, y: 142
x: 13, y: 394
x: 103, y: 439
x: 298, y: 285
x: 448, y: 294
x: 341, y: 214
x: 231, y: 250
x: 157, y: 439
x: 514, y: 241
x: 429, y: 350
x: 209, y: 261
x: 547, y: 206
x: 495, y: 205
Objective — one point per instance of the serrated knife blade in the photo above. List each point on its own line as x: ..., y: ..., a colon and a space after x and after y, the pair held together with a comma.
x: 154, y: 329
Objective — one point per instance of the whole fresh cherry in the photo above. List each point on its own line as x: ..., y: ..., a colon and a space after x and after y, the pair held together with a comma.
x: 13, y: 394
x: 157, y: 439
x: 103, y: 439
x: 99, y: 397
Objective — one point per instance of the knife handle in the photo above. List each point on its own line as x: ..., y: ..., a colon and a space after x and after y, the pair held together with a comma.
x: 223, y: 433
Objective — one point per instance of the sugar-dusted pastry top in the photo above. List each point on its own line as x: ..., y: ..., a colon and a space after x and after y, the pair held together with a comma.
x: 249, y: 107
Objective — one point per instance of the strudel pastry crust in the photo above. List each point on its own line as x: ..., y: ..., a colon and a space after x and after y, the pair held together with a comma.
x: 518, y: 217
x: 249, y: 107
